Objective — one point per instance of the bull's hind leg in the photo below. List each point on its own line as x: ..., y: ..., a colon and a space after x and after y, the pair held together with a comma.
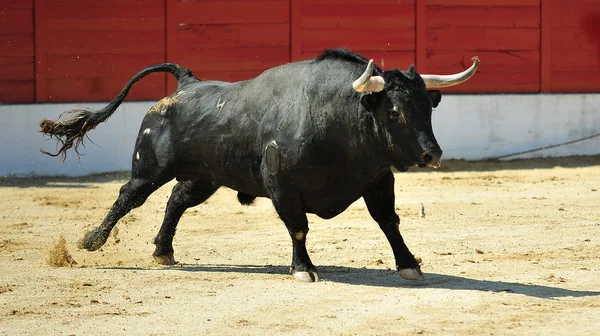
x: 132, y: 195
x: 183, y: 196
x: 380, y: 202
x: 151, y: 168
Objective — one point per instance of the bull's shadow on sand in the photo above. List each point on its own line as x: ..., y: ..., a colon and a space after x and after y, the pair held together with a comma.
x: 389, y: 278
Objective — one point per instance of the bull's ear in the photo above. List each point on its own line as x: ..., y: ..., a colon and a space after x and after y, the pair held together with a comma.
x: 369, y: 101
x: 436, y: 97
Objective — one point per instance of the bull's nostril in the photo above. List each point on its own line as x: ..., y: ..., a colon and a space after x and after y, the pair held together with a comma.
x: 427, y: 158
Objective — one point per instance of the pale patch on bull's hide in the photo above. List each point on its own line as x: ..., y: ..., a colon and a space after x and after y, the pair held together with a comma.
x: 163, y: 105
x: 137, y: 155
x: 299, y: 235
x: 147, y: 131
x: 219, y: 104
x: 272, y: 157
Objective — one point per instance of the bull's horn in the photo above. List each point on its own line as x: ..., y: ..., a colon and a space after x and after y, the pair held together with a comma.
x: 442, y: 81
x: 367, y: 83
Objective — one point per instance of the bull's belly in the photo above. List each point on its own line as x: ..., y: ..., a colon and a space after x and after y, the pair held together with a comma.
x: 327, y: 207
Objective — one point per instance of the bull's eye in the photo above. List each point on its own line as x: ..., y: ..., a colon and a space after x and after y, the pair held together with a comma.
x: 395, y: 113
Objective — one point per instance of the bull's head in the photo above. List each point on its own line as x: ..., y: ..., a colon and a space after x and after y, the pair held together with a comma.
x: 403, y: 101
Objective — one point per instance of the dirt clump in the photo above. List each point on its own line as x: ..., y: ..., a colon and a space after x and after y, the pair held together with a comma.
x: 59, y: 255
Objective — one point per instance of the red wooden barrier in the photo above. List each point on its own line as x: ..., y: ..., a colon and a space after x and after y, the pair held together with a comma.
x: 72, y: 50
x: 16, y: 51
x: 380, y: 29
x: 504, y: 34
x: 87, y: 50
x: 228, y: 40
x: 575, y: 45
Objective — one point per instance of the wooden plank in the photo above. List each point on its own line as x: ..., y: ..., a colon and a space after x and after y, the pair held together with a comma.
x: 546, y: 46
x: 16, y: 92
x: 41, y: 51
x: 357, y: 2
x: 107, y: 24
x: 421, y: 36
x: 171, y: 53
x: 571, y: 14
x: 16, y: 45
x: 575, y: 81
x: 228, y: 12
x: 358, y: 16
x: 358, y: 39
x: 94, y: 42
x: 486, y: 3
x: 295, y: 30
x: 576, y: 60
x: 238, y: 35
x: 106, y: 65
x: 483, y: 39
x: 106, y: 3
x: 235, y: 59
x: 17, y: 4
x: 483, y: 17
x: 16, y: 21
x: 103, y: 89
x: 55, y: 12
x: 17, y: 68
x: 568, y: 38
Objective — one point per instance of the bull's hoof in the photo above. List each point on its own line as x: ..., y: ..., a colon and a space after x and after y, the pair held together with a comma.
x: 165, y: 259
x: 93, y: 240
x: 305, y: 276
x: 411, y: 274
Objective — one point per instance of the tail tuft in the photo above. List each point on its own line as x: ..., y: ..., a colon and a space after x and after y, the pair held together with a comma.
x: 70, y: 132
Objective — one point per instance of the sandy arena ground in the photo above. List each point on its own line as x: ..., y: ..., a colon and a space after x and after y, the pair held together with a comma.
x: 508, y: 248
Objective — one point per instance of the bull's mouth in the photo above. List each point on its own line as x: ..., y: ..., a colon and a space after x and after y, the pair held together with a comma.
x: 435, y: 165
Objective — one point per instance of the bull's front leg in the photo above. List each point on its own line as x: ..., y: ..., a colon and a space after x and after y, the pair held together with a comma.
x: 291, y: 213
x: 380, y: 202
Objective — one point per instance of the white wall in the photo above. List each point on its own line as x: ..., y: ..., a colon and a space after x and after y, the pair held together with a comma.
x: 467, y: 126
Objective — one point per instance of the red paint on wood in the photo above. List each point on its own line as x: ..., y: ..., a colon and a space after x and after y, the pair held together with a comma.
x: 171, y: 24
x: 483, y: 17
x: 295, y: 30
x: 365, y: 15
x: 483, y: 39
x: 421, y: 36
x: 102, y: 89
x: 108, y: 65
x: 489, y: 3
x: 235, y: 59
x: 16, y: 21
x: 358, y: 2
x: 17, y: 4
x: 228, y: 12
x: 123, y: 13
x: 361, y: 39
x: 201, y: 37
x: 41, y: 51
x: 546, y: 46
x: 16, y: 92
x: 17, y: 69
x: 112, y: 24
x: 94, y: 5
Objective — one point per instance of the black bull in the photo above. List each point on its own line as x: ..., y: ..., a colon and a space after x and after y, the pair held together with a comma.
x: 313, y: 136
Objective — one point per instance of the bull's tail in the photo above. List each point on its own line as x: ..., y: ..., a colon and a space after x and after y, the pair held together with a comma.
x: 71, y: 131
